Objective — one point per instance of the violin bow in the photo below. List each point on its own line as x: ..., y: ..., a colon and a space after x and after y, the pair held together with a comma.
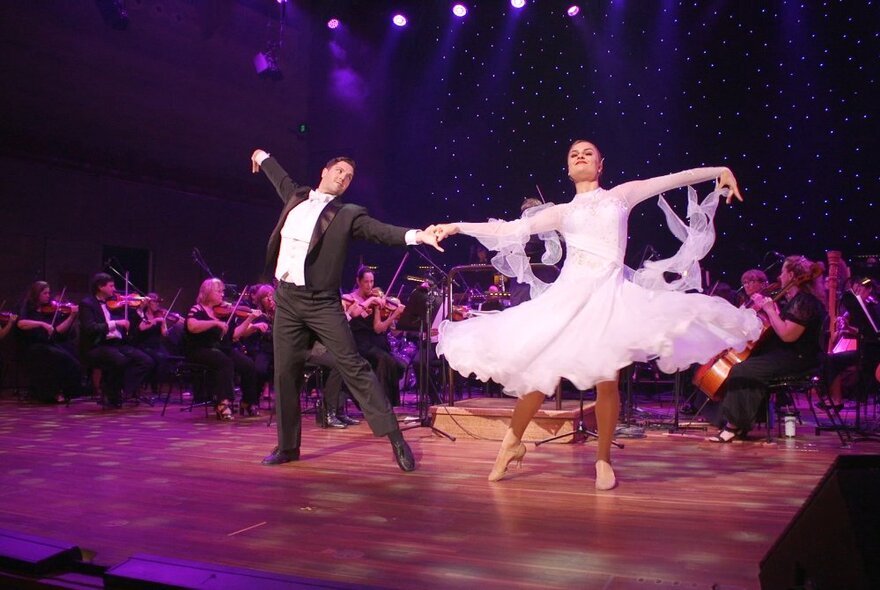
x: 58, y: 308
x: 540, y: 194
x: 397, y: 274
x: 173, y: 301
x: 125, y: 305
x: 236, y: 306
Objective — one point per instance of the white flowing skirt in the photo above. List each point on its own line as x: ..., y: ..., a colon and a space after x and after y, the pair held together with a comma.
x: 587, y: 326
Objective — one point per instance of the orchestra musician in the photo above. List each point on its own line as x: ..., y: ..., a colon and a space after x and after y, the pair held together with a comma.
x: 754, y: 281
x: 151, y: 336
x: 105, y: 340
x: 592, y: 320
x: 857, y: 350
x: 371, y: 316
x: 256, y: 340
x: 44, y: 330
x: 209, y: 340
x: 792, y: 344
x: 306, y: 252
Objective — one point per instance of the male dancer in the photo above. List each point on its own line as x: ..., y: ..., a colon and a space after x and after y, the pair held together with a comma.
x: 306, y: 253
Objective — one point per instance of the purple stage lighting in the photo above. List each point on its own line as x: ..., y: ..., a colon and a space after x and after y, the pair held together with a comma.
x: 459, y: 10
x: 573, y: 10
x: 399, y: 20
x: 517, y: 3
x: 333, y: 23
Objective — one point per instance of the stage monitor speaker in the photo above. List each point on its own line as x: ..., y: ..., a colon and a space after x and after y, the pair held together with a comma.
x: 149, y: 572
x: 834, y: 539
x: 38, y: 556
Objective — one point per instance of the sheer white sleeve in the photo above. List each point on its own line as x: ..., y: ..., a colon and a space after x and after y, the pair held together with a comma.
x: 636, y: 191
x: 509, y: 238
x: 697, y: 237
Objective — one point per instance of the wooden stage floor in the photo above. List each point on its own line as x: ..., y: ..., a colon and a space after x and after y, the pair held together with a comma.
x: 687, y: 513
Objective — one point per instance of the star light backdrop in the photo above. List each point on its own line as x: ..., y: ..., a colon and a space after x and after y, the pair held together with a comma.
x: 477, y: 111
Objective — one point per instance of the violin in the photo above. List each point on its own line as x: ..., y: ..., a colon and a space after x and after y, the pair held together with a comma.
x: 225, y: 309
x: 390, y: 306
x: 120, y: 301
x: 170, y: 316
x: 63, y: 308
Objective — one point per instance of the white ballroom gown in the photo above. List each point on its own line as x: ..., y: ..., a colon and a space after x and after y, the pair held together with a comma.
x: 597, y: 318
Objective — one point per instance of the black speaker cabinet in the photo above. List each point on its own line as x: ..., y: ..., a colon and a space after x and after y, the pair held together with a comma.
x: 834, y: 539
x: 35, y: 555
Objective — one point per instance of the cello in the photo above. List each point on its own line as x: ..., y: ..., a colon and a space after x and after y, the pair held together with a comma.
x: 711, y: 376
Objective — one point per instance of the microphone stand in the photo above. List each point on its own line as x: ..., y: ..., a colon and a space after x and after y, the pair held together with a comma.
x: 425, y: 357
x: 200, y: 261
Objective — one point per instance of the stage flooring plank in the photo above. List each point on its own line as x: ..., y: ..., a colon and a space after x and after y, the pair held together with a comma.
x: 687, y: 513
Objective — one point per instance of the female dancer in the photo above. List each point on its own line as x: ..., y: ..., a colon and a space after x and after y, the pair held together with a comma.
x: 594, y: 320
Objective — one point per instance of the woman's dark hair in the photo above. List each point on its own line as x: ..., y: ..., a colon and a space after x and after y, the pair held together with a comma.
x: 33, y: 296
x: 361, y: 271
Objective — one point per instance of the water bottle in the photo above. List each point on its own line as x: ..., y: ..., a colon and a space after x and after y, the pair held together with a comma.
x: 790, y: 421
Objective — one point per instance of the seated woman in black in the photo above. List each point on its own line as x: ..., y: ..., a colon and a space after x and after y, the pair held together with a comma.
x: 208, y: 341
x: 370, y: 332
x: 256, y: 342
x: 55, y: 374
x: 791, y: 345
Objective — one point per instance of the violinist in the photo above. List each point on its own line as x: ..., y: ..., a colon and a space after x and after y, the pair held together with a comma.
x: 209, y: 340
x: 256, y: 340
x: 151, y: 335
x: 370, y: 317
x: 105, y: 341
x: 44, y: 329
x: 792, y: 345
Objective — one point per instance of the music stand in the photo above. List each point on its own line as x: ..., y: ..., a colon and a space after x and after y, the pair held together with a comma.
x: 424, y: 355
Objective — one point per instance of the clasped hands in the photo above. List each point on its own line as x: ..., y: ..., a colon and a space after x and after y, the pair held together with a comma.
x: 434, y: 234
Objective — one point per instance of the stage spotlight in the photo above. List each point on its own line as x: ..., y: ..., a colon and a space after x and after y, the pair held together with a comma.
x: 517, y: 3
x: 573, y: 10
x: 333, y: 23
x: 399, y: 20
x: 266, y: 64
x: 459, y: 10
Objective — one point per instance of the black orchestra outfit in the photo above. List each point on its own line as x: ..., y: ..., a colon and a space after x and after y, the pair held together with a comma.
x: 866, y: 356
x: 314, y: 310
x: 223, y: 359
x: 105, y: 346
x: 258, y: 347
x: 51, y: 366
x: 746, y: 386
x: 151, y: 341
x: 376, y: 349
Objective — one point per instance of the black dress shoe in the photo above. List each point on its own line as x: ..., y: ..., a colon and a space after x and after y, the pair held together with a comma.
x: 278, y: 457
x: 347, y: 420
x: 403, y: 455
x: 331, y: 421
